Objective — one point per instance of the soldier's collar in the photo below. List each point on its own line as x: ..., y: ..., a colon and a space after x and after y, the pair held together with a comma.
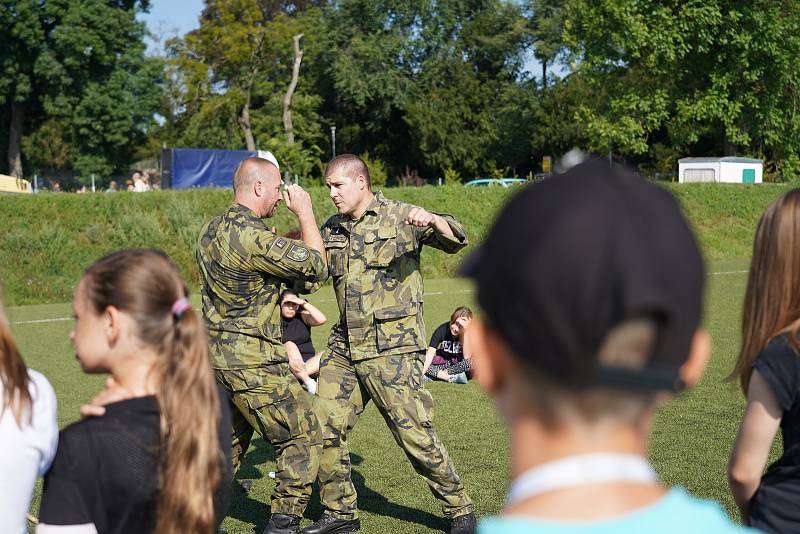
x: 240, y: 208
x: 378, y: 200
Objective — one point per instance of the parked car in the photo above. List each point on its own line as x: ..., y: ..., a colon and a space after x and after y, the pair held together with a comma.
x: 488, y: 182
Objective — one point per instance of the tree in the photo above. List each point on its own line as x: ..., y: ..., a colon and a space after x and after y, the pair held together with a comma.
x: 228, y: 80
x: 79, y: 64
x: 696, y: 74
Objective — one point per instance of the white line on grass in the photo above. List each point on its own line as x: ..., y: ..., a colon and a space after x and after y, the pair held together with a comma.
x: 432, y: 293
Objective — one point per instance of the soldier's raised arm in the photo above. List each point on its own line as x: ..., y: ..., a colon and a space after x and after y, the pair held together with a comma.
x: 436, y: 230
x: 290, y: 259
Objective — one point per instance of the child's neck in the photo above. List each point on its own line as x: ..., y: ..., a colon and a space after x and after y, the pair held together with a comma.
x: 533, y: 445
x: 134, y: 373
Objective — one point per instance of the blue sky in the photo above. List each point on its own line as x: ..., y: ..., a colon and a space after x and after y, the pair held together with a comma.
x: 170, y: 18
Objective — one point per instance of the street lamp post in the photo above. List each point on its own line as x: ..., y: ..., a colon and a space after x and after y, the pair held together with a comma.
x: 333, y: 140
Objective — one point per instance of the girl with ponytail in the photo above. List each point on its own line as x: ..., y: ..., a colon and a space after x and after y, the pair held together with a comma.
x: 28, y: 432
x: 158, y: 461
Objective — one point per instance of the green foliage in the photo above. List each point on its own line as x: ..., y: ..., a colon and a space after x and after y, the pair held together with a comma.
x: 79, y: 73
x: 706, y: 78
x: 377, y: 171
x: 42, y: 255
x: 451, y: 176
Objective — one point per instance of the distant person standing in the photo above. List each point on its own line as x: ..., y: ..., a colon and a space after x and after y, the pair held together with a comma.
x: 376, y: 350
x: 445, y: 358
x: 244, y: 267
x: 112, y: 187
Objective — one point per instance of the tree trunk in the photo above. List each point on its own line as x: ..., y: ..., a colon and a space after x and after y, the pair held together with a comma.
x: 287, y: 98
x: 14, y: 138
x: 544, y: 74
x: 244, y: 121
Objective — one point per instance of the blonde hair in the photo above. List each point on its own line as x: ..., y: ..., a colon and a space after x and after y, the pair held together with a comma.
x: 14, y: 376
x: 146, y: 284
x: 772, y: 299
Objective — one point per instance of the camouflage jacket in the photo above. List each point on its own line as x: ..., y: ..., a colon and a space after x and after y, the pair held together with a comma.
x: 243, y: 269
x: 374, y: 262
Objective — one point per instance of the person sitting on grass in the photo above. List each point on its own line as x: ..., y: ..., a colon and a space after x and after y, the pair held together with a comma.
x: 28, y: 432
x: 768, y: 369
x: 159, y: 460
x: 297, y: 317
x: 445, y: 359
x: 590, y: 322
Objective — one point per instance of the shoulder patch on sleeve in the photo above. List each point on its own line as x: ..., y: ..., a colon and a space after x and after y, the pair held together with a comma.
x: 280, y: 242
x: 297, y: 253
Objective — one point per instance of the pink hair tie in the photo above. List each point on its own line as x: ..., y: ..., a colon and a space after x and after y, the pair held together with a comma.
x: 180, y: 307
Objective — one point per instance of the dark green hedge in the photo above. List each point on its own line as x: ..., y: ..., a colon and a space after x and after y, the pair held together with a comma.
x: 47, y: 240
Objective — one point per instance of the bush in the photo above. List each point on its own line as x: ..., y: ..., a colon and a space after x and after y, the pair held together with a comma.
x: 377, y: 171
x: 47, y: 240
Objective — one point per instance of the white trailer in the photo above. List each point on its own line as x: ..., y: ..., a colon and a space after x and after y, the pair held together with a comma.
x: 731, y: 170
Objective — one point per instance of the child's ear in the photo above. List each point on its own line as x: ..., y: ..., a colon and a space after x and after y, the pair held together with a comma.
x: 699, y: 355
x: 489, y: 354
x: 111, y: 324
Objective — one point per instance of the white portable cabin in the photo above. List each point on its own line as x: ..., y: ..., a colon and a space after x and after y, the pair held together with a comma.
x: 731, y: 170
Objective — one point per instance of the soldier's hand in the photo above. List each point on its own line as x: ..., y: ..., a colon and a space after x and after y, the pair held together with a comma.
x: 113, y: 392
x: 297, y: 200
x: 420, y: 217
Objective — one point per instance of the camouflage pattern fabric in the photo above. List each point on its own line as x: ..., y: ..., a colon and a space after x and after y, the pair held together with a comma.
x: 374, y: 262
x: 376, y: 349
x: 270, y: 400
x: 394, y: 384
x: 243, y: 269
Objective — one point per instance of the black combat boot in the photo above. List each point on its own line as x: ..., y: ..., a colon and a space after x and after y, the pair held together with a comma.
x: 328, y: 524
x: 283, y: 524
x: 463, y: 524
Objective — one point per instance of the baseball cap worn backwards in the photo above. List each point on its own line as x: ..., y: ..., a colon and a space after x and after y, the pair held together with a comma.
x: 573, y: 258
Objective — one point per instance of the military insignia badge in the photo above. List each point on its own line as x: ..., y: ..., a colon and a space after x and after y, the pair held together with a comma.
x: 280, y: 242
x: 297, y: 253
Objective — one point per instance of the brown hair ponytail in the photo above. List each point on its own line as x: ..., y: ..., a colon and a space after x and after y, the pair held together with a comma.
x: 146, y: 284
x: 14, y: 376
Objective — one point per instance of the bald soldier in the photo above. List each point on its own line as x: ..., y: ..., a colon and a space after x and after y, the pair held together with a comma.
x: 244, y: 267
x: 377, y: 349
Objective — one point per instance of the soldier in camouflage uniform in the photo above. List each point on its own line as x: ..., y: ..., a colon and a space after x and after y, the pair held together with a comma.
x: 376, y: 350
x: 244, y: 267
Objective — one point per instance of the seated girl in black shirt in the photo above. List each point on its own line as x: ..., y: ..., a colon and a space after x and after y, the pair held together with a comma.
x: 297, y: 317
x: 445, y: 359
x: 158, y: 461
x: 768, y: 369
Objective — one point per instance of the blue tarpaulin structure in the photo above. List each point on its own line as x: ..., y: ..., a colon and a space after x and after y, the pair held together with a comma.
x: 183, y: 168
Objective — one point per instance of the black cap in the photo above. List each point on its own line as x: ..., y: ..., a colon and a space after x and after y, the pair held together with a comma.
x: 570, y: 258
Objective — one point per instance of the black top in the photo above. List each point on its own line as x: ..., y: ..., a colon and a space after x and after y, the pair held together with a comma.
x: 106, y: 470
x: 774, y: 507
x: 448, y: 347
x: 297, y: 331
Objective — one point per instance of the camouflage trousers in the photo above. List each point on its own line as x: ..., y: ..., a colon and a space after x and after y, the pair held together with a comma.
x: 394, y: 383
x: 269, y: 400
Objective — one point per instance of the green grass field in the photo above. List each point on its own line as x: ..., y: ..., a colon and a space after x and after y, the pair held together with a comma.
x: 690, y: 446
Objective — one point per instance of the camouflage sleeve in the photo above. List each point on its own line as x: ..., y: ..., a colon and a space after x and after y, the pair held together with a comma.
x: 285, y: 258
x: 432, y: 238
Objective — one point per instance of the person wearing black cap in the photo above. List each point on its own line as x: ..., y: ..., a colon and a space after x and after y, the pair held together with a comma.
x: 597, y: 316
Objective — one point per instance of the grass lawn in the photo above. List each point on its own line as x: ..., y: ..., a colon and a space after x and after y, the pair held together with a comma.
x: 691, y: 441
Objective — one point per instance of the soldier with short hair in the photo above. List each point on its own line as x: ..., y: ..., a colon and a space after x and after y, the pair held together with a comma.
x: 244, y: 267
x: 377, y: 349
